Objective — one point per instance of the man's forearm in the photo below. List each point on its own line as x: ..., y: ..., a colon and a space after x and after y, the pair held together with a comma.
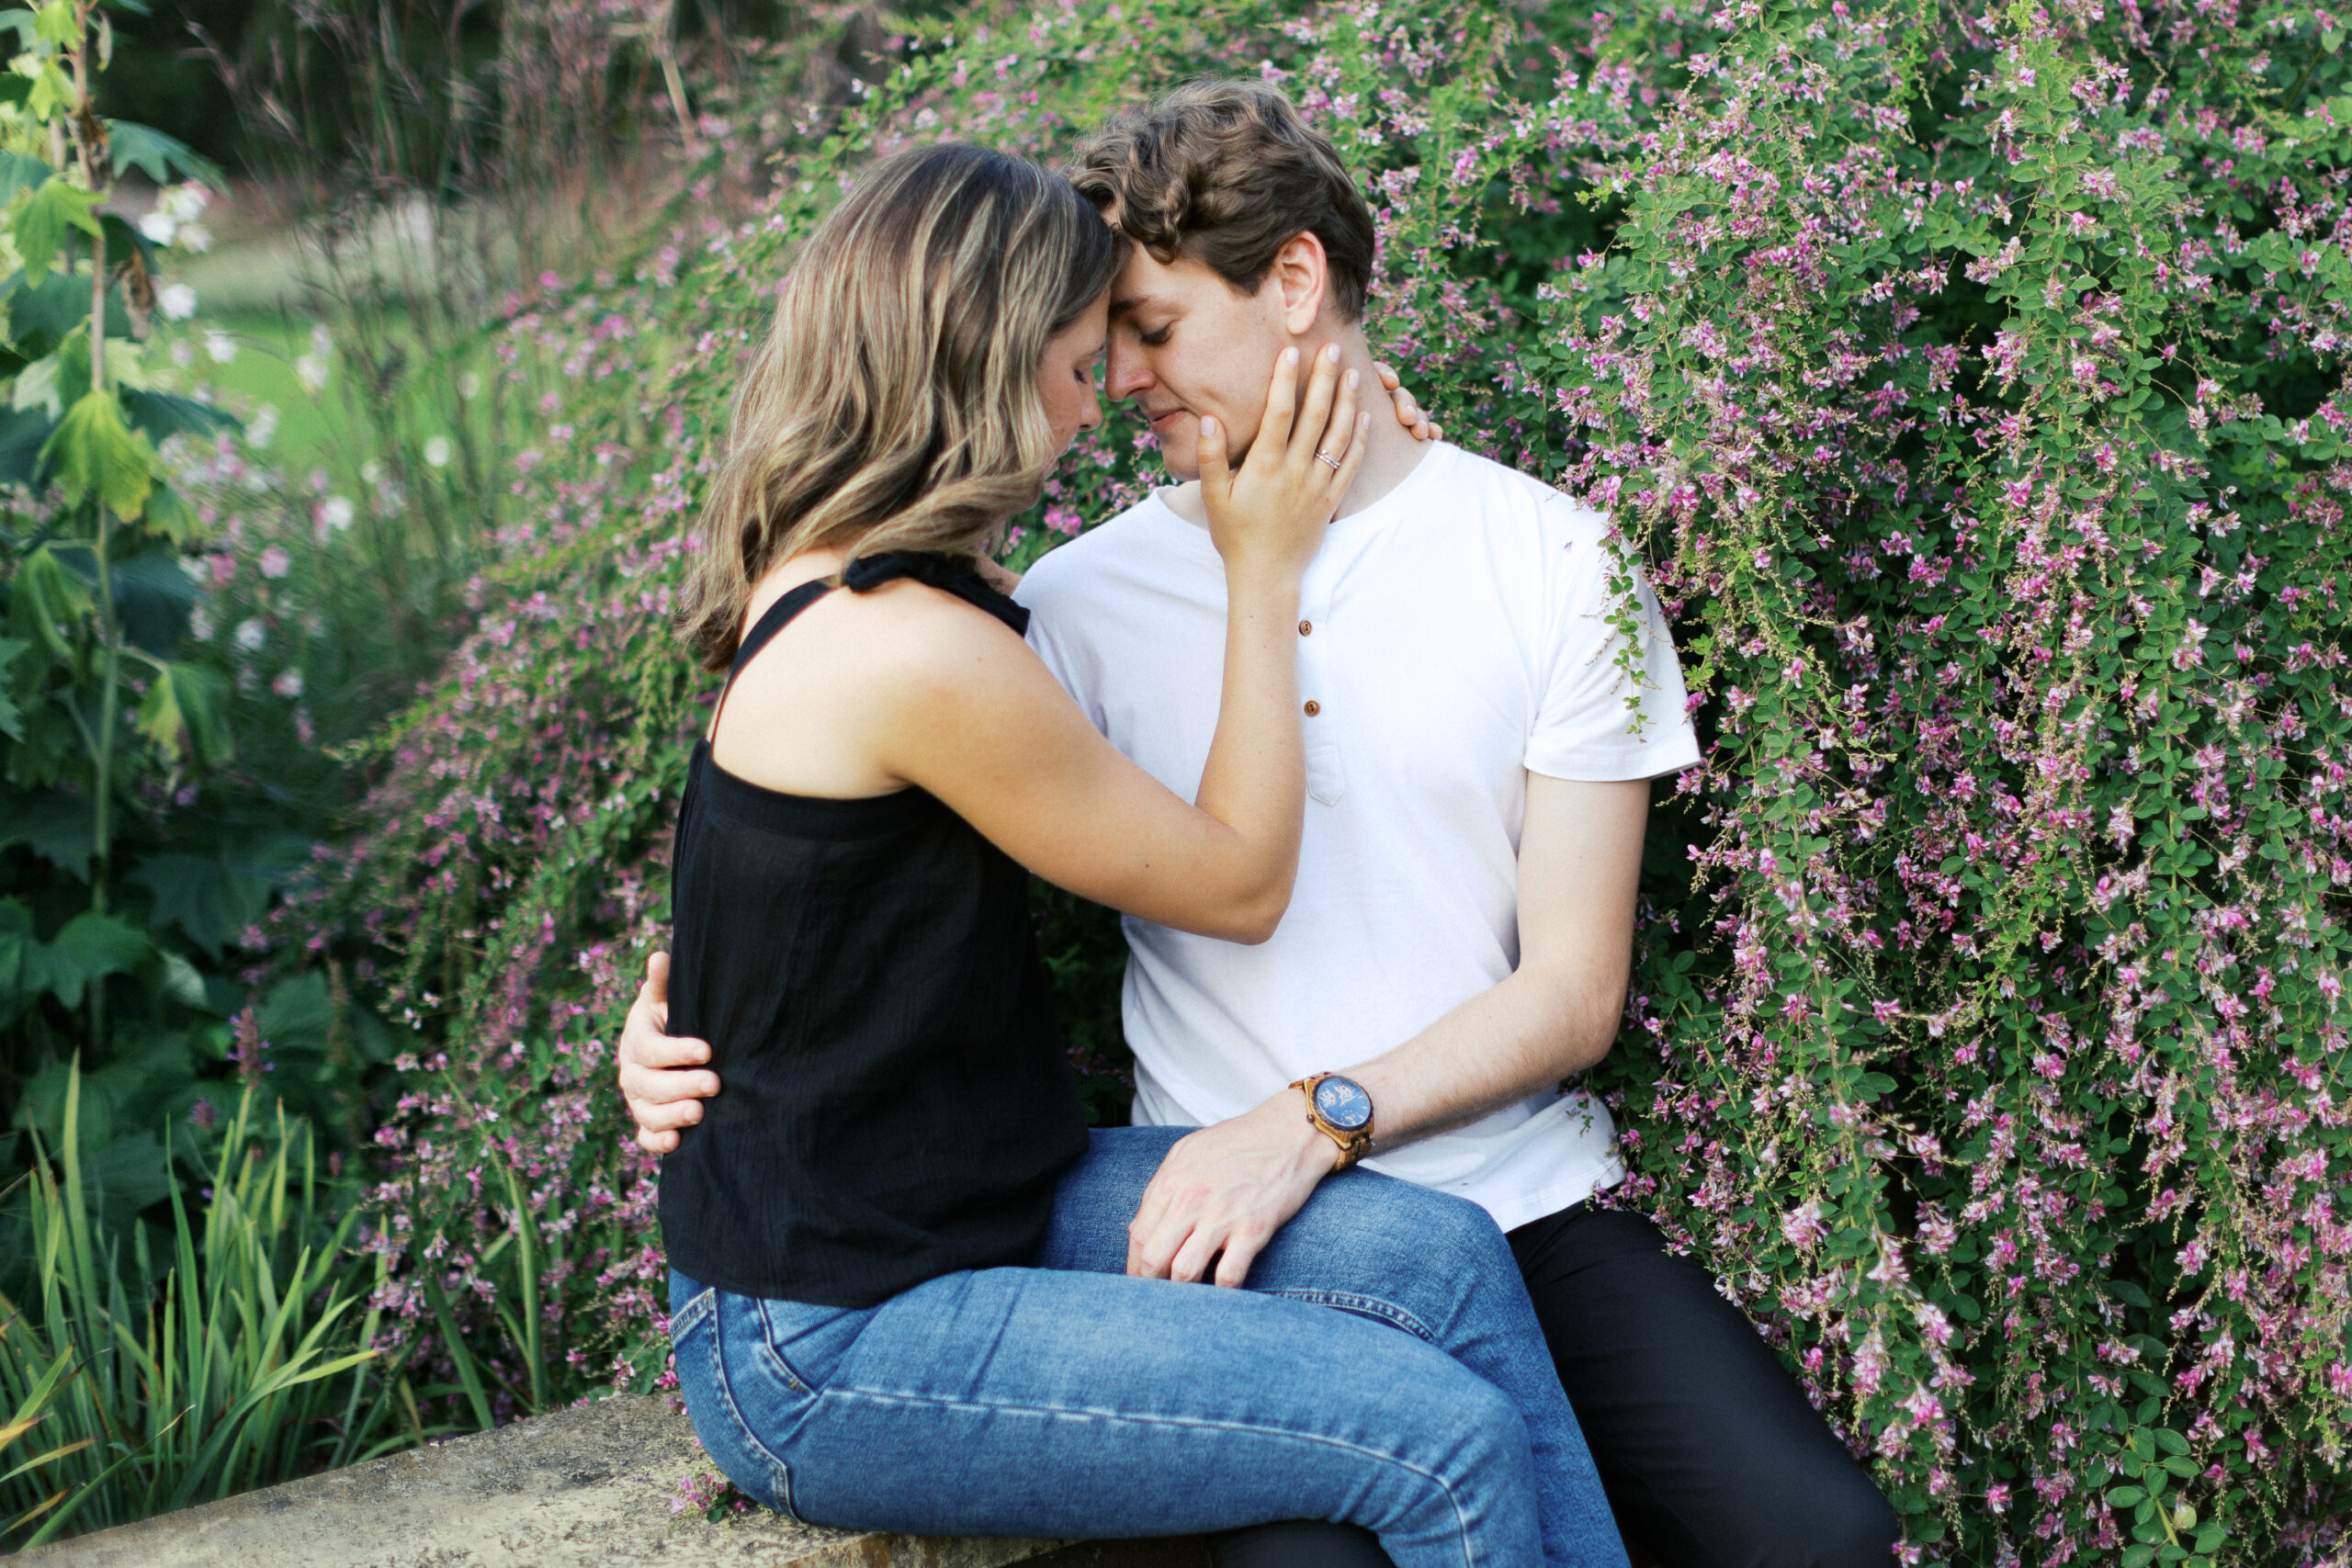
x: 1509, y: 1041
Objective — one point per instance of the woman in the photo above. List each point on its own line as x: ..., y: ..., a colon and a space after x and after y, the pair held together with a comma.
x: 859, y: 1338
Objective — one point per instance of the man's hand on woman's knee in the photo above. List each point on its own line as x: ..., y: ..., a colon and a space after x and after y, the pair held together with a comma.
x: 661, y: 1075
x: 1223, y: 1191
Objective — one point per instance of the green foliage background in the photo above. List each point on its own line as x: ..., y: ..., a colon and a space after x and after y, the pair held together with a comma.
x: 1973, y: 383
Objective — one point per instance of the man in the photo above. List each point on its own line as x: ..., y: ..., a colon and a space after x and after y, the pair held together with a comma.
x: 1461, y: 932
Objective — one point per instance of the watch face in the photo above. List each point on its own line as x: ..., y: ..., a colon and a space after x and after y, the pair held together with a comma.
x: 1343, y: 1103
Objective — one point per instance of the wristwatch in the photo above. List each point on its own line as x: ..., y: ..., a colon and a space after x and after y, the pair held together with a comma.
x: 1339, y: 1109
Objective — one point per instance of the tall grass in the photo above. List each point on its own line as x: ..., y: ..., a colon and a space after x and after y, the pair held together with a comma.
x: 246, y: 1365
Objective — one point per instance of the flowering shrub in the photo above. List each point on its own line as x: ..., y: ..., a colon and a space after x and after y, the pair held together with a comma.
x: 1972, y: 384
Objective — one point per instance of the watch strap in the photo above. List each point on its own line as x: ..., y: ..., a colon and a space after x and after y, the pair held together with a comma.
x: 1353, y: 1145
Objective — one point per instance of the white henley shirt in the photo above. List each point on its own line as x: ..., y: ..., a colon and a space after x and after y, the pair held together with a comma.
x: 1453, y: 638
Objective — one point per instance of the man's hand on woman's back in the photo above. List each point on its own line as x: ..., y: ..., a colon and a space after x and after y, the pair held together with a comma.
x: 662, y: 1075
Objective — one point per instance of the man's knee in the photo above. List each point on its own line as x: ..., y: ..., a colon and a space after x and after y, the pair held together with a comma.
x: 1861, y: 1527
x: 1840, y: 1521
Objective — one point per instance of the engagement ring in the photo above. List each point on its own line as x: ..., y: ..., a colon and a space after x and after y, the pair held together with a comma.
x: 1328, y: 458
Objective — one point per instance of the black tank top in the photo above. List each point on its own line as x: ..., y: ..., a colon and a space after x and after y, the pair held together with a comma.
x: 894, y: 1101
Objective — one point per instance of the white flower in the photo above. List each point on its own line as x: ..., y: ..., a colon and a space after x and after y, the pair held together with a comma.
x: 183, y: 204
x: 158, y: 226
x: 470, y: 386
x: 196, y: 237
x: 311, y: 369
x: 177, y: 302
x: 199, y: 624
x: 336, y: 512
x: 263, y: 426
x: 250, y: 635
x: 289, y: 683
x: 436, y: 451
x: 219, y: 346
x: 372, y: 472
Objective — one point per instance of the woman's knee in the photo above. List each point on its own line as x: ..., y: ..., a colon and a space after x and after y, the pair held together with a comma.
x: 1427, y: 1228
x: 1481, y: 1428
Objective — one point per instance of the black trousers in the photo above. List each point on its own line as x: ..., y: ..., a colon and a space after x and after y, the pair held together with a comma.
x: 1711, y: 1455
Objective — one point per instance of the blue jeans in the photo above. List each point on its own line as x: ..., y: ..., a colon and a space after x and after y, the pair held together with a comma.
x: 1069, y: 1400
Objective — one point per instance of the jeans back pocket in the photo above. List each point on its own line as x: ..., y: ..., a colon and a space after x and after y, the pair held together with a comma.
x: 804, y: 1343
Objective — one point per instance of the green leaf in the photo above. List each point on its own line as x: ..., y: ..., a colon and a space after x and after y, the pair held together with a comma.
x: 213, y: 898
x: 2170, y: 1441
x: 56, y: 23
x: 183, y: 983
x: 159, y: 154
x: 91, y: 947
x: 20, y: 170
x: 52, y: 91
x: 54, y: 824
x: 15, y: 937
x: 181, y: 714
x: 22, y: 435
x: 153, y: 596
x: 47, y: 602
x: 35, y: 392
x: 12, y: 717
x: 128, y: 1174
x: 43, y: 312
x: 2124, y: 1497
x: 56, y: 209
x: 175, y: 519
x: 162, y: 414
x: 93, y: 452
x: 297, y: 1014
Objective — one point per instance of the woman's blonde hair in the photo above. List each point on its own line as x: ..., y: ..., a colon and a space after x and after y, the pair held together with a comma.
x: 894, y: 405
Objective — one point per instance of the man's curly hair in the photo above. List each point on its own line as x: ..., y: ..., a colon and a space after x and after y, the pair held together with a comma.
x: 1227, y: 174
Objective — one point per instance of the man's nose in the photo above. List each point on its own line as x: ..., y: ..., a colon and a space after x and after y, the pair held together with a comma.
x: 1125, y: 372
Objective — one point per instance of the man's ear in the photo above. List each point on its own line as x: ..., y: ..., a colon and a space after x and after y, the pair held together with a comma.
x: 1304, y: 275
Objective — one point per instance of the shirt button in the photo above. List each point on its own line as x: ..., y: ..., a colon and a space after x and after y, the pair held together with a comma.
x: 1312, y: 708
x: 1305, y: 628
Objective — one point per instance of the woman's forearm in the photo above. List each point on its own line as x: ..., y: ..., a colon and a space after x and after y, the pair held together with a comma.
x: 1254, y: 781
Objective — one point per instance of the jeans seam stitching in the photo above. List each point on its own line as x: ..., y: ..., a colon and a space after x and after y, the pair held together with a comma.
x: 785, y: 1368
x: 1462, y: 1529
x: 702, y: 1306
x: 724, y: 1382
x: 1369, y: 1306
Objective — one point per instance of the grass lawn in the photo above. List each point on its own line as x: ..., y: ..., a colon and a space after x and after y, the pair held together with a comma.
x: 313, y: 429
